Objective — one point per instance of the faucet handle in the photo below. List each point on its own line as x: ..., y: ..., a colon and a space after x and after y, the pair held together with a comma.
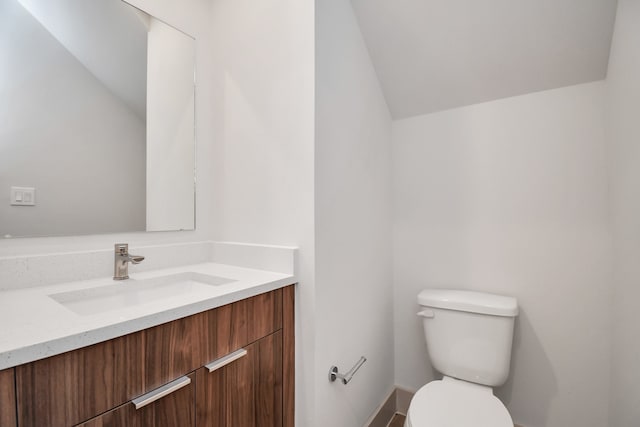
x: 121, y: 248
x: 136, y: 259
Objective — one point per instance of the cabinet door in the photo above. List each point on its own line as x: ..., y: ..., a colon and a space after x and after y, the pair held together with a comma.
x: 176, y: 408
x: 243, y: 391
x: 7, y: 399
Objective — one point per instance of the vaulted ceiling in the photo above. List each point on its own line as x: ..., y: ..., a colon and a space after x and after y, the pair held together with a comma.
x: 109, y: 37
x: 432, y: 55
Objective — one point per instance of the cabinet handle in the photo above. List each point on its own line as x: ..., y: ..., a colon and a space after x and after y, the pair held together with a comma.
x: 224, y: 361
x: 160, y: 392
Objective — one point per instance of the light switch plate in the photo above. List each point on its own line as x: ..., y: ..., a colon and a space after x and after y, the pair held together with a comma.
x: 23, y: 196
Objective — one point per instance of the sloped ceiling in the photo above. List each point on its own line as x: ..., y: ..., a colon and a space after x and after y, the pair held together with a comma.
x: 432, y: 55
x: 109, y: 37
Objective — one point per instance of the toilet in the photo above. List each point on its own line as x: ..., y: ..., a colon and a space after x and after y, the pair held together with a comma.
x: 469, y: 337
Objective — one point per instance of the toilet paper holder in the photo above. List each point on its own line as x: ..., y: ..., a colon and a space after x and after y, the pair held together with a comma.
x: 334, y: 374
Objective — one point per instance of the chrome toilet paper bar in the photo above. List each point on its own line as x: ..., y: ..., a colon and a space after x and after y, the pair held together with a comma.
x: 334, y: 374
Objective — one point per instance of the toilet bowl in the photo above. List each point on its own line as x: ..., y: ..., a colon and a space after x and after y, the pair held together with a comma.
x: 455, y: 403
x: 469, y: 337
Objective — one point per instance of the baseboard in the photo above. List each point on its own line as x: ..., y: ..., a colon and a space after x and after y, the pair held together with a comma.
x: 403, y: 399
x: 384, y: 412
x: 397, y: 402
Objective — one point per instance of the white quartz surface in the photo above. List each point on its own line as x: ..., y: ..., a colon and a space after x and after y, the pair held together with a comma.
x: 34, y: 326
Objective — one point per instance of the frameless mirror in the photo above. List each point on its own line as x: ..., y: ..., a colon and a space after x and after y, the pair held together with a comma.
x: 96, y: 120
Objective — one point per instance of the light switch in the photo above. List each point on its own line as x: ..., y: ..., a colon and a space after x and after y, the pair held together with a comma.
x: 23, y: 196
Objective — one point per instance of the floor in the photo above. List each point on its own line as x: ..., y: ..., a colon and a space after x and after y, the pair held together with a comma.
x: 397, y: 421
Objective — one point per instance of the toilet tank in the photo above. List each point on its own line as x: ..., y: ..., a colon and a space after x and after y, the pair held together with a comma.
x: 469, y: 334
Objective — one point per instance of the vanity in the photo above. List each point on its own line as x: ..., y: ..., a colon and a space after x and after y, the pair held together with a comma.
x: 219, y: 353
x: 189, y: 339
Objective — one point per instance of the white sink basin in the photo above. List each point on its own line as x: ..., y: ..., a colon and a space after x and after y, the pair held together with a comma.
x: 133, y: 292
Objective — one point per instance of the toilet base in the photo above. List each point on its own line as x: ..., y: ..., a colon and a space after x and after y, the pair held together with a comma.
x: 455, y: 403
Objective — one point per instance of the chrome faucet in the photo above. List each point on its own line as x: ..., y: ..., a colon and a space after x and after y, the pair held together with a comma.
x: 122, y: 260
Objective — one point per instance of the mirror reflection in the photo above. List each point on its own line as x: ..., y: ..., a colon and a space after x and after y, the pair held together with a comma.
x: 96, y: 120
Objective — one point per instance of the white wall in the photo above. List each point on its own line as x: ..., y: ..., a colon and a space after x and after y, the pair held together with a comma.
x: 510, y: 197
x: 262, y: 116
x: 623, y: 105
x: 193, y: 17
x: 88, y: 174
x: 354, y: 296
x: 170, y: 129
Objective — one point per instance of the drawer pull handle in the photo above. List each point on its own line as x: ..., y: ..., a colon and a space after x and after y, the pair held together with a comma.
x: 224, y: 361
x: 160, y: 392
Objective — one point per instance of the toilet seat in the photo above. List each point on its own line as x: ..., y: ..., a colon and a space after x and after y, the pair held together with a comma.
x: 456, y: 403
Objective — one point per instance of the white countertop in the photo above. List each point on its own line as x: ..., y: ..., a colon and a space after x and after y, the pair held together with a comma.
x: 34, y: 326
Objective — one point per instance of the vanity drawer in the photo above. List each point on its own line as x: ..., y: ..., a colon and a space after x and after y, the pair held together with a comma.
x: 175, y: 348
x: 264, y: 314
x: 184, y: 345
x: 75, y: 386
x: 69, y: 388
x: 178, y: 408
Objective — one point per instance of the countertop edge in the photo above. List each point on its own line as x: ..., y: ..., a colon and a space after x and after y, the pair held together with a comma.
x: 41, y: 350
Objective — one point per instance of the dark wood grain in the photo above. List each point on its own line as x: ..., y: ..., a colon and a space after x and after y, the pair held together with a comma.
x: 265, y: 314
x: 288, y: 355
x: 247, y: 392
x: 174, y: 410
x: 72, y: 387
x: 240, y: 390
x: 173, y: 349
x: 210, y: 404
x: 268, y: 381
x: 230, y: 329
x: 226, y: 395
x: 8, y: 398
x: 122, y: 416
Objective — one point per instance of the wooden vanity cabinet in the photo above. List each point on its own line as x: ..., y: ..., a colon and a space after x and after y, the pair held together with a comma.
x: 245, y: 392
x: 94, y: 386
x: 175, y: 409
x: 8, y: 399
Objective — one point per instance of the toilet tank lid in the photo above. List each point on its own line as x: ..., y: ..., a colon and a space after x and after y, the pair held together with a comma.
x: 472, y: 302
